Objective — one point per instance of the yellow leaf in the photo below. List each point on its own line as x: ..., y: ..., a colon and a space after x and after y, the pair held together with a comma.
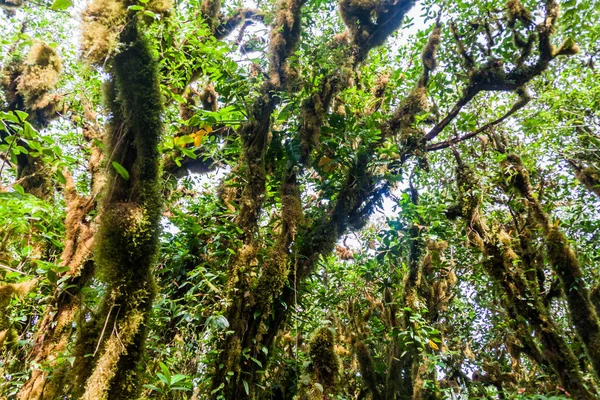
x: 324, y: 161
x: 198, y: 140
x: 433, y: 345
x: 329, y: 167
x: 208, y: 129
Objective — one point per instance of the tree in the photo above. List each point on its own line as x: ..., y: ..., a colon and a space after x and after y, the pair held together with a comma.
x: 225, y: 176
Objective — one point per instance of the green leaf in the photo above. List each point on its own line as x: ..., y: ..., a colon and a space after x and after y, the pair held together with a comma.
x: 152, y: 387
x: 52, y: 276
x: 163, y: 378
x: 256, y: 361
x: 19, y: 189
x: 60, y: 5
x: 120, y: 170
x: 22, y: 115
x: 246, y: 388
x: 177, y: 377
x: 165, y: 371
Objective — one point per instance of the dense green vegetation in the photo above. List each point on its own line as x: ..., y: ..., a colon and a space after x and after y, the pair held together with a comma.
x: 299, y: 199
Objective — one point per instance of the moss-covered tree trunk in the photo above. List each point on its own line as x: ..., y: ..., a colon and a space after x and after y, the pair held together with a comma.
x: 565, y: 263
x: 109, y: 347
x: 255, y: 280
x: 501, y: 262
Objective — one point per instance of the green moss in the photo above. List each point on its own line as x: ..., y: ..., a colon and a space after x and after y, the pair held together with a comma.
x: 273, y: 277
x: 582, y: 310
x: 430, y: 50
x: 127, y: 240
x: 103, y: 21
x: 516, y: 11
x: 325, y: 362
x: 367, y: 368
x: 590, y: 178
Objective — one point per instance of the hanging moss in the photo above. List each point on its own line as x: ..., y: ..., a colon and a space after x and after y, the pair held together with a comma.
x: 103, y: 21
x: 430, y: 50
x: 371, y: 22
x: 589, y: 177
x: 283, y: 40
x: 325, y: 363
x: 367, y: 368
x: 41, y: 71
x: 209, y: 98
x: 516, y: 12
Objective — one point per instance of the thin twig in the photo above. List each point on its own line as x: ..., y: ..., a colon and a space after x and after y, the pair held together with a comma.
x: 447, y: 143
x: 6, y: 267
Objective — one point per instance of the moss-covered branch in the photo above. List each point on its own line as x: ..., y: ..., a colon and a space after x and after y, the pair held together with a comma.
x: 563, y: 260
x: 501, y: 263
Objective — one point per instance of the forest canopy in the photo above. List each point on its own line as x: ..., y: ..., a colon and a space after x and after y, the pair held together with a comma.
x: 299, y: 199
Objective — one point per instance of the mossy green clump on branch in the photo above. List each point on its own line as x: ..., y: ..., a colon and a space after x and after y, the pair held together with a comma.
x: 8, y: 333
x: 325, y: 362
x: 42, y: 68
x: 103, y: 21
x: 321, y: 378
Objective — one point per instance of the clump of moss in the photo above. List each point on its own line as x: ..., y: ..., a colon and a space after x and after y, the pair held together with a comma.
x: 371, y: 22
x: 10, y: 74
x: 322, y: 375
x: 567, y: 48
x: 358, y: 15
x: 41, y: 70
x: 283, y: 40
x: 325, y: 363
x: 516, y: 11
x: 589, y: 177
x: 160, y: 6
x: 430, y: 50
x: 273, y: 276
x: 103, y: 21
x: 9, y: 6
x: 380, y: 85
x: 7, y: 292
x: 209, y: 98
